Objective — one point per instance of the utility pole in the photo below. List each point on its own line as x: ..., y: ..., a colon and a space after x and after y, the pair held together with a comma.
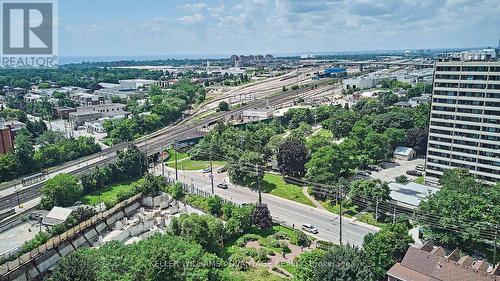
x: 258, y: 183
x: 146, y: 154
x: 211, y: 173
x: 376, y: 211
x: 495, y: 245
x: 394, y: 216
x: 340, y: 212
x: 175, y: 157
x: 162, y: 162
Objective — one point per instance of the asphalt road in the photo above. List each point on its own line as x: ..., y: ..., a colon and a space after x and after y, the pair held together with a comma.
x: 152, y: 143
x: 293, y: 213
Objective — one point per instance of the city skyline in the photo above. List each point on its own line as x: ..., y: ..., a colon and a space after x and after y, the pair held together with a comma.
x: 217, y: 28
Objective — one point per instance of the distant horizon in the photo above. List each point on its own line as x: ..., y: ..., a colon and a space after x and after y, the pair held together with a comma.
x: 75, y: 59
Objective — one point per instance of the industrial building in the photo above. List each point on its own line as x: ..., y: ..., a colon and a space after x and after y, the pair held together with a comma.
x: 135, y: 84
x: 465, y: 119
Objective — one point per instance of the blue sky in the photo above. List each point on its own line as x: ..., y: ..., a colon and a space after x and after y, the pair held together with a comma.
x: 171, y: 27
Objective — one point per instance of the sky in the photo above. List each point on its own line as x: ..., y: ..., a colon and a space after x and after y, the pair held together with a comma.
x: 216, y: 27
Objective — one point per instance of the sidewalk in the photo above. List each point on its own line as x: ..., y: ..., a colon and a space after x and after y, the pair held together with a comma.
x: 314, y: 201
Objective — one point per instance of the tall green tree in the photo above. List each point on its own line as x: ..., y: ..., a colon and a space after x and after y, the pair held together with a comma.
x: 307, y: 264
x: 462, y: 202
x: 386, y: 247
x: 292, y: 155
x: 328, y: 164
x: 62, y: 190
x: 80, y: 265
x: 24, y: 152
x: 344, y: 263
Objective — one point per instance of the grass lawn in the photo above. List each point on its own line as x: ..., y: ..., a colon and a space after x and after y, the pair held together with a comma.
x: 347, y: 211
x: 288, y: 267
x: 106, y: 193
x: 275, y: 185
x: 190, y: 165
x: 420, y: 180
x: 231, y: 248
x: 324, y: 133
x: 180, y: 155
x: 369, y: 219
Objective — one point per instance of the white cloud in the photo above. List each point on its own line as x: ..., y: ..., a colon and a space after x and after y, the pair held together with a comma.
x: 191, y: 19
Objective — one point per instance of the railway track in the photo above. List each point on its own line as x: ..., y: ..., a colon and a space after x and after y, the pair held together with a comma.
x: 150, y: 144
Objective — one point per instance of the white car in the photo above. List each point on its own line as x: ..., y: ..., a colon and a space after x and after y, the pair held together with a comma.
x: 309, y: 228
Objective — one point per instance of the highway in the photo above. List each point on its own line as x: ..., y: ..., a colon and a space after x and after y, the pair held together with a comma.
x: 288, y: 211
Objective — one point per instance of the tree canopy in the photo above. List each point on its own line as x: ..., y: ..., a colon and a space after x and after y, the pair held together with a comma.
x: 462, y: 202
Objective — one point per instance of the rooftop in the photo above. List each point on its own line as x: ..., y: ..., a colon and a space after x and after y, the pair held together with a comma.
x: 429, y: 263
x: 410, y: 194
x: 402, y: 150
x: 57, y: 215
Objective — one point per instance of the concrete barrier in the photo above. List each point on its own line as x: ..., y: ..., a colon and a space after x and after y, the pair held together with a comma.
x: 35, y: 264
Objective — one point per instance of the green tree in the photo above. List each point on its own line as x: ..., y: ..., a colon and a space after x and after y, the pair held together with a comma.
x: 204, y: 230
x: 130, y: 164
x: 154, y: 90
x: 388, y: 98
x: 24, y: 152
x: 223, y: 106
x: 341, y: 123
x: 393, y: 119
x: 244, y: 171
x: 366, y: 106
x: 9, y: 166
x: 386, y: 247
x: 376, y: 146
x: 370, y: 189
x: 401, y: 179
x: 22, y: 83
x: 62, y: 190
x: 416, y: 138
x: 261, y: 216
x: 44, y: 85
x: 292, y: 155
x: 422, y: 115
x: 80, y: 265
x: 215, y: 205
x: 176, y: 190
x: 344, y: 263
x: 462, y: 201
x: 328, y: 164
x: 307, y: 263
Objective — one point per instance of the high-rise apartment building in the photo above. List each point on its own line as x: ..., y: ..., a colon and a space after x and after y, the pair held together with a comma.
x: 465, y: 119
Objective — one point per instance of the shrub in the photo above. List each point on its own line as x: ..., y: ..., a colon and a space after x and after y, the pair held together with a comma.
x: 261, y: 255
x: 215, y: 205
x: 402, y: 179
x: 176, y: 191
x: 302, y: 239
x: 281, y: 235
x: 239, y: 261
x: 243, y: 240
x: 110, y: 203
x: 38, y: 240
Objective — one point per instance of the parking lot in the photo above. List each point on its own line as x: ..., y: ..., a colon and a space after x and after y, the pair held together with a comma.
x: 396, y: 169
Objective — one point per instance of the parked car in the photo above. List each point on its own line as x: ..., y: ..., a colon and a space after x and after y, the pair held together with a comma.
x: 414, y: 173
x: 363, y: 173
x: 207, y: 170
x: 222, y: 185
x: 374, y: 168
x: 221, y: 169
x: 309, y: 228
